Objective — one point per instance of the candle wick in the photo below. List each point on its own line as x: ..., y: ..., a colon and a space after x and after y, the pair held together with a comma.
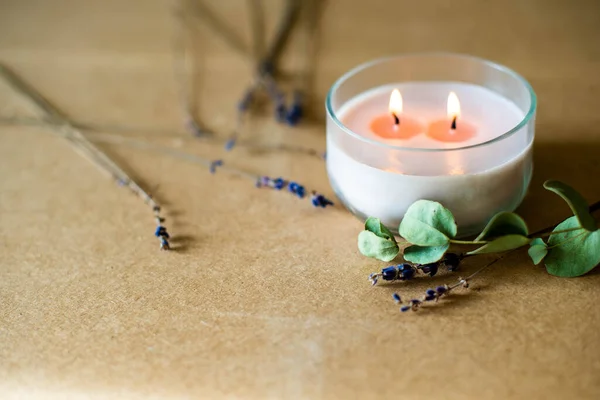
x: 396, y: 119
x: 453, y: 126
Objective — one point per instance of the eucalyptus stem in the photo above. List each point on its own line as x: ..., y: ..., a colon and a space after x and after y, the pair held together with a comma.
x: 505, y: 233
x: 557, y: 232
x: 592, y: 208
x: 468, y: 241
x: 567, y: 240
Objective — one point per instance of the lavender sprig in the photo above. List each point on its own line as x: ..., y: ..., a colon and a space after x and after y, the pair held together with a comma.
x: 94, y: 134
x: 317, y: 200
x: 86, y: 148
x: 407, y: 271
x: 265, y: 70
x: 433, y: 295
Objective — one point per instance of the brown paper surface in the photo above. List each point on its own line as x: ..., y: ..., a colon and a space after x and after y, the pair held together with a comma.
x: 265, y: 296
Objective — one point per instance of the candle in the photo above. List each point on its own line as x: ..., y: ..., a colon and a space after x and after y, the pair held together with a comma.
x: 453, y: 128
x: 395, y: 124
x: 468, y: 147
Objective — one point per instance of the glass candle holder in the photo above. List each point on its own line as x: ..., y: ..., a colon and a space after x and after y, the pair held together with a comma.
x: 488, y: 173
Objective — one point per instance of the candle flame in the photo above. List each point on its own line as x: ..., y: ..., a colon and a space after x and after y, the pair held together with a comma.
x: 453, y: 106
x: 396, y: 103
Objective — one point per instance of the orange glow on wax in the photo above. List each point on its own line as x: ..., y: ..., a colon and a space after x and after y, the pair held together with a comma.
x: 454, y: 128
x: 395, y: 124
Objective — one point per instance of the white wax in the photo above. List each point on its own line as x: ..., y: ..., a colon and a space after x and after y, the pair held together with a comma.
x: 490, y: 113
x: 474, y: 185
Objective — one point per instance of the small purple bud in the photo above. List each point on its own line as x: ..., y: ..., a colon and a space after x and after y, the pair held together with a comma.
x: 397, y: 298
x: 230, y: 144
x: 214, y: 165
x: 451, y: 261
x: 408, y: 273
x: 279, y: 183
x: 373, y: 278
x: 430, y: 269
x: 405, y: 308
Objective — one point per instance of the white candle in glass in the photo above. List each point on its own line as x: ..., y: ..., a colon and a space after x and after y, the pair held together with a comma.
x: 375, y: 175
x: 471, y: 192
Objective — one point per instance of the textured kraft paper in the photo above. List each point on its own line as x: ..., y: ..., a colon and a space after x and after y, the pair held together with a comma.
x: 265, y: 296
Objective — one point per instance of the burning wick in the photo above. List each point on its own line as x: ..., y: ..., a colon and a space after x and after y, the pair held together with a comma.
x: 453, y: 109
x: 396, y: 107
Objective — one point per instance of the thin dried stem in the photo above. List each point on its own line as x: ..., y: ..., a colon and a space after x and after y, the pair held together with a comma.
x: 92, y: 129
x: 184, y: 69
x: 83, y: 146
x: 200, y: 10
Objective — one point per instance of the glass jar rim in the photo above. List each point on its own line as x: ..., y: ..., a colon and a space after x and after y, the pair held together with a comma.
x: 530, y: 113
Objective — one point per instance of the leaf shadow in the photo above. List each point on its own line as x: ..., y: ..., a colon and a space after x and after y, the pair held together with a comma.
x: 182, y: 243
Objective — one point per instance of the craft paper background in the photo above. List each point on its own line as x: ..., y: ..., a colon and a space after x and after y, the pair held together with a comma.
x: 265, y: 296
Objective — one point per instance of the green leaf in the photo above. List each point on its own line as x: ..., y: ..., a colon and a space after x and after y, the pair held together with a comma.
x: 425, y: 254
x: 503, y: 243
x: 428, y: 223
x: 537, y: 251
x: 374, y: 225
x: 374, y: 246
x: 501, y: 224
x: 572, y: 253
x: 576, y: 201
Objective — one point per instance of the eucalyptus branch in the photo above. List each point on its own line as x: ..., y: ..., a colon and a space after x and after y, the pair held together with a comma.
x: 454, y: 241
x: 572, y: 247
x: 555, y: 232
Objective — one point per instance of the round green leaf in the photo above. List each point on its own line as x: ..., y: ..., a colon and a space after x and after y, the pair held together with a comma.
x: 428, y: 223
x: 576, y: 201
x: 537, y: 251
x: 575, y: 253
x: 503, y: 223
x: 374, y: 225
x: 425, y: 255
x: 374, y: 246
x: 502, y: 243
